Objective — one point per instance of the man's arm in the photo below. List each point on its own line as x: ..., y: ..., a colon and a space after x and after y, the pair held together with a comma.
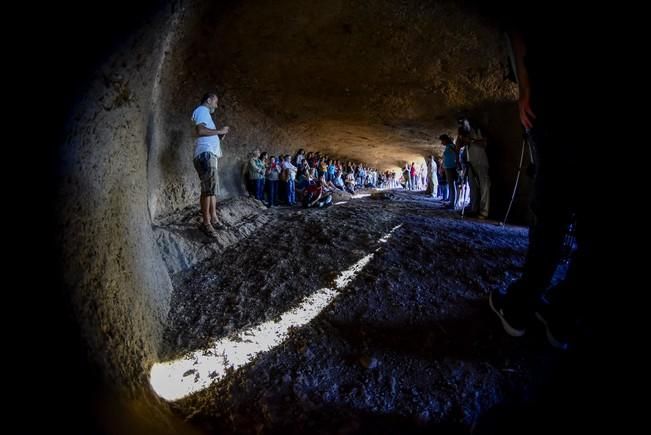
x: 202, y: 130
x: 524, y: 102
x: 317, y: 198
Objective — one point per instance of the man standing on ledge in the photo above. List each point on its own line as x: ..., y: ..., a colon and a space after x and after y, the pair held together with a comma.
x: 206, y: 152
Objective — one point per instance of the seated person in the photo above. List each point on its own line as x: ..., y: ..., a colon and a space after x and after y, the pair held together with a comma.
x: 327, y: 184
x: 350, y: 182
x: 338, y: 181
x: 317, y: 195
x: 302, y: 181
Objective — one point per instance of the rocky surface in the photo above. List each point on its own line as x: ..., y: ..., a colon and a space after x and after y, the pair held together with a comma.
x: 409, y: 345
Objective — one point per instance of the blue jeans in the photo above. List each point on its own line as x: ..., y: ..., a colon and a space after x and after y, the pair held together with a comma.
x: 451, y: 176
x: 291, y: 192
x: 259, y: 188
x: 273, y: 192
x: 443, y: 191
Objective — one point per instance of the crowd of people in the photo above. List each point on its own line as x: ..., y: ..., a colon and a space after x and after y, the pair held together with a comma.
x: 310, y: 178
x: 290, y: 180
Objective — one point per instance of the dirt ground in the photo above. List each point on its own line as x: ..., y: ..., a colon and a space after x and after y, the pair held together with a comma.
x: 409, y: 346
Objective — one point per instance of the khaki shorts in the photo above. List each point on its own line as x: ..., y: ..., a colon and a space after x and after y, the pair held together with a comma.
x: 206, y: 166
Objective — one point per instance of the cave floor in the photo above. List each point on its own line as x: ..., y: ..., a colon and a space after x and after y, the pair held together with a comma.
x: 408, y: 346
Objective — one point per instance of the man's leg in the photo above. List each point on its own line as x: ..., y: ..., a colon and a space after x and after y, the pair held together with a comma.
x: 205, y: 166
x: 213, y: 188
x: 551, y: 215
x: 204, y: 201
x: 273, y: 192
x: 259, y: 192
x: 484, y: 190
x: 554, y: 190
x: 473, y: 181
x: 451, y: 175
x: 213, y: 207
x: 288, y: 193
x: 292, y: 191
x: 214, y: 161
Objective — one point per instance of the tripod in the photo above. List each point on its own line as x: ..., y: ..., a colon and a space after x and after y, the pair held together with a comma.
x: 526, y: 143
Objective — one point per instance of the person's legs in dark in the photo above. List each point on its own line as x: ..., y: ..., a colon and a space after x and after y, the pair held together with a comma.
x: 483, y: 206
x: 472, y: 209
x: 557, y: 309
x: 568, y: 309
x: 551, y: 208
x: 444, y: 191
x: 281, y: 191
x: 287, y: 193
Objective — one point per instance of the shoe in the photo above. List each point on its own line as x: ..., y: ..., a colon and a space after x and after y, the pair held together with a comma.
x: 208, y: 230
x: 217, y: 225
x: 482, y: 217
x: 557, y: 327
x: 513, y: 325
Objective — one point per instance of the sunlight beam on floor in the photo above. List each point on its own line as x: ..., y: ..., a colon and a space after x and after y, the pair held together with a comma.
x: 174, y: 380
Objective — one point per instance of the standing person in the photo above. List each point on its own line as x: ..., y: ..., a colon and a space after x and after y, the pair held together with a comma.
x: 299, y: 157
x: 273, y: 175
x: 256, y: 174
x: 291, y: 180
x: 432, y: 177
x: 443, y: 185
x: 413, y: 176
x: 450, y: 162
x: 477, y: 165
x: 549, y: 126
x: 406, y: 176
x: 591, y: 311
x: 207, y: 151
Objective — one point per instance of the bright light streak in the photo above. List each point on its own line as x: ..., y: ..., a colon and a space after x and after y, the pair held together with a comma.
x: 174, y: 380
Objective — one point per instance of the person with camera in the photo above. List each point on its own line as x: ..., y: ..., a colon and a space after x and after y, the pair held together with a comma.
x: 289, y: 179
x: 477, y: 168
x: 450, y: 163
x: 273, y: 175
x: 318, y: 194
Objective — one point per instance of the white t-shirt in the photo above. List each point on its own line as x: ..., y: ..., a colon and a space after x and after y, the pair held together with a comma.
x: 201, y: 115
x: 292, y: 169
